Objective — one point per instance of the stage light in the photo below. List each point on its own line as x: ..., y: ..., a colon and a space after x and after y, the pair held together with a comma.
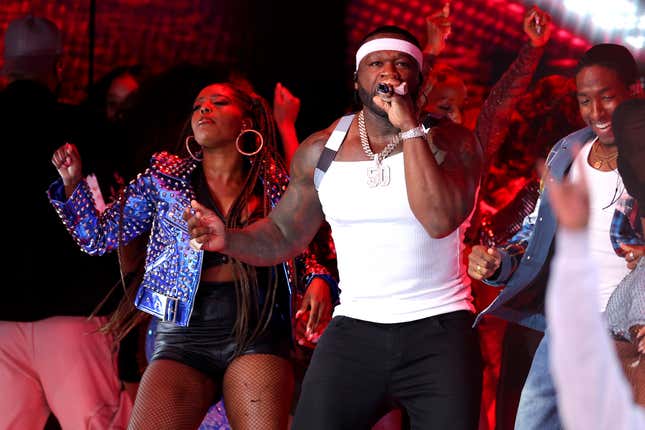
x: 614, y: 15
x: 623, y: 18
x: 636, y: 41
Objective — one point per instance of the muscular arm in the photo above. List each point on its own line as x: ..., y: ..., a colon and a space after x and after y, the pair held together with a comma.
x: 442, y: 195
x: 294, y: 221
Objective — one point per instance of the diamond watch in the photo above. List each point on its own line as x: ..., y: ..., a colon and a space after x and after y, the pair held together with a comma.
x: 412, y: 133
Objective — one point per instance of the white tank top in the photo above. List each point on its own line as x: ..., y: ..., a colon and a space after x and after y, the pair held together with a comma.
x: 390, y: 269
x: 605, y: 188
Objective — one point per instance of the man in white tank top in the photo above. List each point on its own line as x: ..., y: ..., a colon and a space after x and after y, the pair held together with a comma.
x: 396, y: 199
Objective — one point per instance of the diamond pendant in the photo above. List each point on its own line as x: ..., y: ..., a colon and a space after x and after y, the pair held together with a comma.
x: 379, y: 175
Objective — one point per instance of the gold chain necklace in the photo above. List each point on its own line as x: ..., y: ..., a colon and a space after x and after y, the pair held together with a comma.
x: 601, y: 160
x: 378, y: 175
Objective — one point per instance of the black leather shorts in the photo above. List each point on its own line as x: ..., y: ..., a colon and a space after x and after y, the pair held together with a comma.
x: 208, y: 343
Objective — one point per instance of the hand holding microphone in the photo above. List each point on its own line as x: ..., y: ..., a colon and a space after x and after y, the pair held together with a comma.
x: 396, y: 102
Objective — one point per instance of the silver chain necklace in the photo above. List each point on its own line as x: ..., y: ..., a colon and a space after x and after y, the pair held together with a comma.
x: 378, y: 175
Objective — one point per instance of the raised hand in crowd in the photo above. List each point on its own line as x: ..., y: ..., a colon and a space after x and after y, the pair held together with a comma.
x: 537, y: 26
x: 286, y: 107
x: 438, y: 28
x: 67, y: 161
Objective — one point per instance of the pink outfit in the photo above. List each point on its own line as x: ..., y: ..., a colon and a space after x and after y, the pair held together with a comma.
x: 64, y: 366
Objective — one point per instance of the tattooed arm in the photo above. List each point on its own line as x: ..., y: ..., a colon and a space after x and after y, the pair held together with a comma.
x: 442, y: 195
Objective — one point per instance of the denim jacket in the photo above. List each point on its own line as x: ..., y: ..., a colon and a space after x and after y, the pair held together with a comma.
x: 525, y: 258
x: 154, y: 202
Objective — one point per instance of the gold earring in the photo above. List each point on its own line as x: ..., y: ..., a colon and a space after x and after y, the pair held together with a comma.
x: 193, y: 156
x: 258, y: 138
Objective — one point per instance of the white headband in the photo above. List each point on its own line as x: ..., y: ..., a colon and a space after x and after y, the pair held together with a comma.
x: 389, y: 44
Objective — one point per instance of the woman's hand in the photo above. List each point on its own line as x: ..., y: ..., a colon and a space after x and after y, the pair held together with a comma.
x: 438, y: 27
x: 537, y: 26
x: 314, y: 313
x: 207, y: 230
x: 67, y: 161
x: 286, y: 107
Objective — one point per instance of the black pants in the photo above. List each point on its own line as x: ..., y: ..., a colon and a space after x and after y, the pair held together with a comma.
x: 431, y: 367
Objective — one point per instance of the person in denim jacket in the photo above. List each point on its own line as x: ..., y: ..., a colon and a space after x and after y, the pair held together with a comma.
x: 606, y: 75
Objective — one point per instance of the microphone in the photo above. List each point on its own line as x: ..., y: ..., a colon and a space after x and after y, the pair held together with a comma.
x: 383, y: 88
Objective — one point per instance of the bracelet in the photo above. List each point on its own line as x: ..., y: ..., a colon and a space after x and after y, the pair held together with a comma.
x: 412, y: 133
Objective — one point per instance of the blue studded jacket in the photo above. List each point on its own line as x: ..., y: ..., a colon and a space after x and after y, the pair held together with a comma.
x: 154, y: 202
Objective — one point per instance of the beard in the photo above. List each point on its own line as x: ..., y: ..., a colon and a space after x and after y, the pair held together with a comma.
x: 365, y: 98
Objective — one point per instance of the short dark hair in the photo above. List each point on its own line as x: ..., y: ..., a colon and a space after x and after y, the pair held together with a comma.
x: 396, y: 30
x: 614, y: 57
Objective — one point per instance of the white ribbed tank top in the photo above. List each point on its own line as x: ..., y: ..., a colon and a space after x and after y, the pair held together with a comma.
x: 605, y: 188
x: 390, y: 269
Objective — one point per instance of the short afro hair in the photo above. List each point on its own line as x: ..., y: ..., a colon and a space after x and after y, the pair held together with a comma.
x: 614, y: 57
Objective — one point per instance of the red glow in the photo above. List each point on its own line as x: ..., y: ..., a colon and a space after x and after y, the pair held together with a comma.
x: 563, y: 34
x: 576, y: 41
x: 164, y: 32
x: 515, y: 8
x: 565, y: 63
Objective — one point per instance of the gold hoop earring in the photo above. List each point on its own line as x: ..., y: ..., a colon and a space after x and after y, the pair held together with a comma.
x: 260, y: 145
x: 193, y: 156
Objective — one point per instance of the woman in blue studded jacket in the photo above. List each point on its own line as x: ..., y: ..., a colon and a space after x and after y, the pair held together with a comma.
x: 226, y: 326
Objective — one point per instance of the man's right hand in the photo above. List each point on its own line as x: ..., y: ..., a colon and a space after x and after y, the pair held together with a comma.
x: 206, y: 228
x: 483, y: 262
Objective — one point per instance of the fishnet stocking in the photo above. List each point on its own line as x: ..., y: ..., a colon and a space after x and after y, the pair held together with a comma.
x: 258, y: 390
x: 172, y: 396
